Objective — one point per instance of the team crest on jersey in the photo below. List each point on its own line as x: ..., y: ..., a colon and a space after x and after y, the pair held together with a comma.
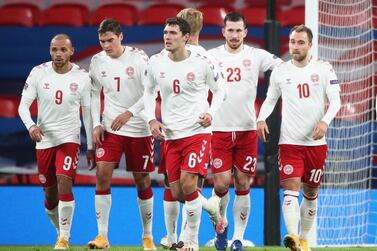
x: 288, y: 169
x: 46, y: 86
x: 100, y: 152
x: 162, y: 74
x: 246, y: 63
x: 42, y: 179
x: 190, y: 77
x: 217, y: 163
x: 314, y: 78
x: 73, y: 87
x: 26, y: 86
x: 130, y: 72
x: 103, y: 74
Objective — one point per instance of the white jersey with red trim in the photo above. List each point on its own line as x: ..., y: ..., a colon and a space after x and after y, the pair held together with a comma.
x: 122, y: 82
x: 59, y: 97
x: 241, y: 71
x: 304, y: 92
x: 184, y: 89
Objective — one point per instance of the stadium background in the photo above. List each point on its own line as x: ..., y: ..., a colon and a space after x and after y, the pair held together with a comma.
x: 27, y: 27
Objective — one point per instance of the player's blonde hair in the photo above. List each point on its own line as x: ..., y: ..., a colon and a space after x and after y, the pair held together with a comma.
x: 194, y: 18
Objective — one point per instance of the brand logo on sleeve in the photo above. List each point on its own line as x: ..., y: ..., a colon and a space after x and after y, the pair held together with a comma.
x: 334, y: 82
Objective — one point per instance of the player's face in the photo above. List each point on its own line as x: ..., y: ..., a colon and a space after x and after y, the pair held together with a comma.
x: 111, y: 43
x: 61, y: 51
x: 234, y: 34
x: 173, y: 38
x: 299, y: 46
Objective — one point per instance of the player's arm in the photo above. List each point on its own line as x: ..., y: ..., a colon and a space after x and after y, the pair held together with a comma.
x: 216, y: 85
x: 333, y: 95
x: 29, y: 93
x: 268, y: 106
x: 88, y: 124
x: 269, y: 61
x: 95, y: 107
x: 149, y: 100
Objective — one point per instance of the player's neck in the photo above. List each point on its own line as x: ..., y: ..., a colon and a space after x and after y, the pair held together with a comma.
x: 179, y: 54
x: 194, y: 40
x: 235, y: 50
x: 62, y: 70
x: 119, y: 52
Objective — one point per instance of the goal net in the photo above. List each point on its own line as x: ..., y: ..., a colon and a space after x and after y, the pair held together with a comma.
x: 347, y: 207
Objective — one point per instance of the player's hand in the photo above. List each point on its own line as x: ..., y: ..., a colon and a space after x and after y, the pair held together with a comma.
x: 158, y: 129
x: 205, y: 119
x: 262, y: 130
x: 98, y: 135
x: 120, y: 120
x: 319, y: 130
x: 36, y: 133
x: 91, y: 158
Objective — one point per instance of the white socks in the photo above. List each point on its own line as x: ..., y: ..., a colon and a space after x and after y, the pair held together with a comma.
x: 53, y: 215
x: 171, y: 214
x: 194, y: 213
x: 146, y: 214
x: 241, y: 212
x: 103, y: 206
x: 308, y: 211
x: 291, y: 211
x: 66, y: 209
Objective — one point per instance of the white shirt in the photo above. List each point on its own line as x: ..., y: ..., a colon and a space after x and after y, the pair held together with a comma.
x: 59, y: 97
x: 241, y: 72
x: 184, y: 89
x: 122, y: 82
x: 303, y: 91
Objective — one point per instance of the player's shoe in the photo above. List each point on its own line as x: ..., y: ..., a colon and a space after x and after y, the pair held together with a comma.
x: 99, y: 242
x: 148, y: 243
x: 236, y: 246
x: 214, y: 214
x: 221, y: 240
x: 304, y: 245
x: 61, y: 244
x: 292, y: 242
x: 188, y: 245
x: 166, y: 244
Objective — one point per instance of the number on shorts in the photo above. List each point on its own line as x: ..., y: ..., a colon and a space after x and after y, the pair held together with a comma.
x: 250, y: 165
x: 146, y: 158
x: 315, y: 175
x: 67, y: 163
x: 192, y: 160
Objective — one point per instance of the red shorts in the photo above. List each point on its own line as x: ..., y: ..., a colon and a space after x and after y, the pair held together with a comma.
x: 57, y: 160
x: 189, y: 154
x: 234, y: 149
x: 162, y: 165
x: 307, y: 162
x: 139, y: 152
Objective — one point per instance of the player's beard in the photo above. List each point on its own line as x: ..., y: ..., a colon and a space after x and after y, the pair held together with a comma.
x: 299, y: 57
x: 234, y: 44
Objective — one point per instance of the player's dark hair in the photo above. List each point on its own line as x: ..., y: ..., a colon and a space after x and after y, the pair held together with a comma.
x: 235, y: 17
x: 109, y: 25
x: 303, y: 28
x: 183, y: 25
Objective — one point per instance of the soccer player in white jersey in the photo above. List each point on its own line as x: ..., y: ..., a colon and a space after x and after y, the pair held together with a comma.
x: 171, y: 206
x: 60, y: 88
x: 304, y: 84
x: 186, y: 116
x: 119, y: 71
x: 234, y: 139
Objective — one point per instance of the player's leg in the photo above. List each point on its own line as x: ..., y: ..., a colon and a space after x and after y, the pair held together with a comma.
x: 67, y: 156
x: 291, y: 170
x: 107, y: 158
x: 221, y: 166
x: 140, y: 161
x: 47, y: 178
x: 314, y: 164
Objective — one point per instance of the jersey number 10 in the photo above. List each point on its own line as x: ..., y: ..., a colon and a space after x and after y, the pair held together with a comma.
x: 303, y: 90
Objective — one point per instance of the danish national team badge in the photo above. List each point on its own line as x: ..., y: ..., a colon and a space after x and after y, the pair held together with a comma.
x: 190, y: 76
x: 246, y: 63
x: 288, y: 169
x: 100, y: 152
x: 314, y: 78
x: 73, y: 87
x: 217, y: 163
x: 130, y: 72
x: 42, y: 179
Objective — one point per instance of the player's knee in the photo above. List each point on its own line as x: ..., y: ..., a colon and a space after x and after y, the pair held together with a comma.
x: 64, y: 184
x: 142, y: 180
x: 221, y: 188
x: 51, y: 194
